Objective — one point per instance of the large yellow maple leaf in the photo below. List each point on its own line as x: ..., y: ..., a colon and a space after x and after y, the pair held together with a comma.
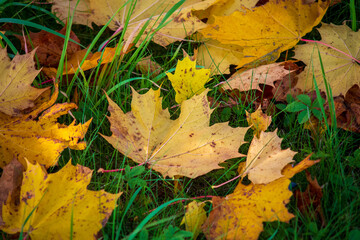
x: 341, y: 71
x: 40, y: 138
x: 240, y: 215
x: 58, y: 205
x: 267, y: 30
x: 181, y: 23
x: 16, y: 92
x: 187, y: 80
x: 187, y: 146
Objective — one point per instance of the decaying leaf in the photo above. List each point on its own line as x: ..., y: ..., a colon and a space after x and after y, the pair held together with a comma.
x: 16, y: 92
x: 49, y: 46
x: 58, y: 205
x: 149, y: 67
x: 194, y: 218
x: 10, y: 182
x: 310, y: 199
x: 187, y: 146
x: 258, y: 121
x: 241, y: 214
x: 40, y: 138
x: 187, y: 80
x: 180, y: 24
x: 270, y: 28
x: 266, y: 159
x: 92, y: 61
x: 341, y: 71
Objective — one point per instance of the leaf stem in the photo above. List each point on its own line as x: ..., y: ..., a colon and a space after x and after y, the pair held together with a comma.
x: 101, y: 170
x: 327, y: 45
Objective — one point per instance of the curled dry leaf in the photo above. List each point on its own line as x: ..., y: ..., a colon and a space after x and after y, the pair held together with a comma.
x: 92, y: 61
x: 187, y: 80
x: 49, y: 46
x: 270, y: 28
x: 240, y: 215
x: 57, y: 198
x: 258, y: 121
x: 40, y: 137
x: 341, y: 71
x: 187, y: 146
x: 149, y: 67
x: 266, y: 159
x: 16, y: 93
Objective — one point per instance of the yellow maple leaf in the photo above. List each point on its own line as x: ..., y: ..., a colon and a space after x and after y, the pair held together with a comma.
x: 258, y: 121
x: 266, y: 159
x: 341, y: 71
x: 16, y: 92
x: 180, y: 24
x: 194, y: 218
x: 240, y: 215
x: 40, y: 138
x: 187, y: 146
x: 187, y: 80
x: 58, y: 205
x: 270, y: 29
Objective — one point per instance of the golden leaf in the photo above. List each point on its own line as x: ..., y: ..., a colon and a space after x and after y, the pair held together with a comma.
x: 16, y: 92
x: 270, y: 29
x: 194, y: 217
x: 266, y: 159
x: 58, y: 205
x: 240, y: 215
x: 341, y: 71
x: 187, y: 146
x: 258, y: 121
x: 40, y: 138
x: 187, y: 80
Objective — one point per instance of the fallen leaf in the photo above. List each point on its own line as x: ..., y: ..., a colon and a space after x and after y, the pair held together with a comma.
x: 49, y: 47
x: 258, y: 121
x: 310, y: 200
x: 266, y: 159
x: 187, y: 146
x: 58, y: 205
x: 187, y: 80
x: 270, y: 28
x: 149, y: 67
x: 92, y: 61
x: 180, y: 24
x: 10, y: 182
x: 194, y: 218
x: 40, y: 137
x: 240, y: 215
x: 16, y: 92
x: 341, y: 71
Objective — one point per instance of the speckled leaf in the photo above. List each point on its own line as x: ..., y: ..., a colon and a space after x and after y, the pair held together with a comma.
x: 267, y: 30
x: 187, y: 146
x: 258, y: 121
x: 187, y: 80
x: 61, y: 202
x: 240, y: 215
x: 16, y: 92
x: 40, y: 138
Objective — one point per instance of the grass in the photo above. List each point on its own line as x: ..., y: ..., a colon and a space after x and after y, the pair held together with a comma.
x: 151, y: 207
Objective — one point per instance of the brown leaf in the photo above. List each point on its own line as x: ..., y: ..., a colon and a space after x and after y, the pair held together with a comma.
x: 10, y: 182
x: 310, y: 198
x: 49, y: 46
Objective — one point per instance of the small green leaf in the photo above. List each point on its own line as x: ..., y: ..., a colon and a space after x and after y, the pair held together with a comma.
x: 317, y: 113
x: 304, y: 99
x: 303, y: 117
x: 281, y: 106
x: 296, y: 107
x: 318, y: 103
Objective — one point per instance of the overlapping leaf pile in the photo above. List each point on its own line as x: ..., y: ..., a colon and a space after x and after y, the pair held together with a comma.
x: 43, y: 205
